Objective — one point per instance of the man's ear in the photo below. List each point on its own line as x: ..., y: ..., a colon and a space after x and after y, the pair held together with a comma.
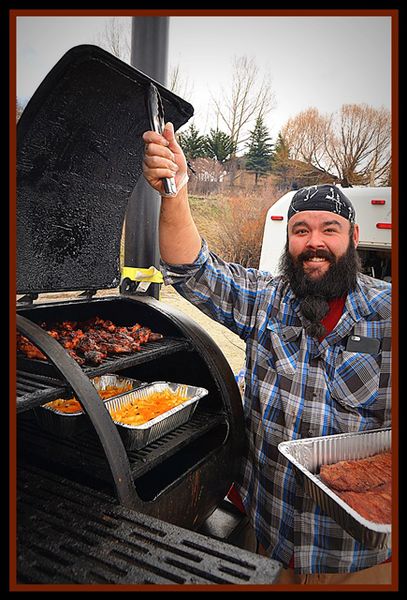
x: 356, y: 232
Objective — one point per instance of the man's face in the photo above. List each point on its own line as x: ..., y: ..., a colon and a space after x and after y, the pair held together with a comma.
x: 317, y: 239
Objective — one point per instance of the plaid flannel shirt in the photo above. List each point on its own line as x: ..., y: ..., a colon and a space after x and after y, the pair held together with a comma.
x: 296, y: 387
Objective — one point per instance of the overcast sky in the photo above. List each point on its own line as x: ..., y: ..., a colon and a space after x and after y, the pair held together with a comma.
x: 321, y: 62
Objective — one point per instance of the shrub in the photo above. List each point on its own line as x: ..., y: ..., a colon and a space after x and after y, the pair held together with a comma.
x: 241, y: 230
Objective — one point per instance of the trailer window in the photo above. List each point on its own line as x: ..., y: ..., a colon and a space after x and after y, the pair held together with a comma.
x: 376, y: 263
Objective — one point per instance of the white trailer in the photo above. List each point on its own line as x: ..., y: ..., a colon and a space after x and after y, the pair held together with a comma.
x: 373, y: 214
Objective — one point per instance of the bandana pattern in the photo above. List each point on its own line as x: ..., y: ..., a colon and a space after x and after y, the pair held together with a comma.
x: 322, y: 197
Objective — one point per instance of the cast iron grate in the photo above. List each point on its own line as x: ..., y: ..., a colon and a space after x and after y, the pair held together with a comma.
x: 40, y: 388
x: 37, y: 386
x: 67, y: 533
x: 86, y: 453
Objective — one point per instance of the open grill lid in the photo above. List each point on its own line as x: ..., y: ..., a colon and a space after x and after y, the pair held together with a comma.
x: 79, y: 157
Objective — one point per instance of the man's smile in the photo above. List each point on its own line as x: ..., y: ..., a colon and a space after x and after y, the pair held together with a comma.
x: 316, y: 259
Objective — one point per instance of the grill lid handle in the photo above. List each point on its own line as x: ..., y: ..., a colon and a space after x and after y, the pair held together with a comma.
x: 87, y: 395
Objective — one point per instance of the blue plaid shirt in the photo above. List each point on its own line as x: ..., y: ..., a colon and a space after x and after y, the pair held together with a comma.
x: 296, y: 387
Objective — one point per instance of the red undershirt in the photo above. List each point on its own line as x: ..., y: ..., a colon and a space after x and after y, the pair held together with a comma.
x: 336, y: 306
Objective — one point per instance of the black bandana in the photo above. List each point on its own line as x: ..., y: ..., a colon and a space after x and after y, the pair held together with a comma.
x: 322, y: 197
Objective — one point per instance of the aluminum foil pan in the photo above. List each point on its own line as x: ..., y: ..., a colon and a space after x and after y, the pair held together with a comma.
x: 307, y: 456
x: 70, y: 424
x: 137, y: 436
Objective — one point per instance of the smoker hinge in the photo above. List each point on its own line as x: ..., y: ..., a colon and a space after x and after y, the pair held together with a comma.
x: 27, y: 298
x: 87, y: 293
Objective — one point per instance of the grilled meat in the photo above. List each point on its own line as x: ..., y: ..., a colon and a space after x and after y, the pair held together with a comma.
x: 364, y: 484
x: 93, y: 340
x: 358, y: 475
x: 79, y: 359
x: 154, y: 337
x: 29, y: 349
x: 94, y: 358
x: 70, y: 339
x: 374, y: 504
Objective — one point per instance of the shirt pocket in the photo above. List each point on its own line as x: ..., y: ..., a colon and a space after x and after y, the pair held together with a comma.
x: 280, y: 349
x: 356, y: 379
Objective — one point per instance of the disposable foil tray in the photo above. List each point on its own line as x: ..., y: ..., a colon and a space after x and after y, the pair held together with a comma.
x: 137, y: 436
x: 70, y: 424
x: 307, y: 456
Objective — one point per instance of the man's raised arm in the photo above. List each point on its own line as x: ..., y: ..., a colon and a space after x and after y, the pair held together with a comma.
x: 179, y: 238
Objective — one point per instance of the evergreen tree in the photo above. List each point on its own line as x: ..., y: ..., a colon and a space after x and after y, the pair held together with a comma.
x: 192, y: 144
x: 280, y: 161
x: 281, y: 151
x: 258, y: 158
x: 218, y: 145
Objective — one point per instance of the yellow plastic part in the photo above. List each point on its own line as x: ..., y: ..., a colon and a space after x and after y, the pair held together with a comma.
x: 152, y: 275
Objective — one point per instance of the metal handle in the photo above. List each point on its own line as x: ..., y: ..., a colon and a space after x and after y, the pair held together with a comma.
x: 155, y: 111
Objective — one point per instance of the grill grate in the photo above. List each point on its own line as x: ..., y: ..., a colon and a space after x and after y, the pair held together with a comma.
x: 34, y: 387
x: 85, y: 450
x: 150, y: 351
x: 78, y: 536
x: 39, y: 378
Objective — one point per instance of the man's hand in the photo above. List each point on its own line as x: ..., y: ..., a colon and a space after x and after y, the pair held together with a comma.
x: 163, y: 157
x: 179, y: 238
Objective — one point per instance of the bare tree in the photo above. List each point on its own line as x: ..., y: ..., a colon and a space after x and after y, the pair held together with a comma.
x: 241, y: 226
x: 361, y: 144
x: 179, y: 84
x: 352, y: 145
x: 116, y: 37
x: 306, y: 135
x: 248, y: 99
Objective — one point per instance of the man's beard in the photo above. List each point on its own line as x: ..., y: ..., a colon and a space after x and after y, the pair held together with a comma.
x: 314, y: 294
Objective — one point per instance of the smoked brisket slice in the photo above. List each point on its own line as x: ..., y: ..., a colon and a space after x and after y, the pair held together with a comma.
x: 374, y: 504
x: 364, y: 484
x: 358, y: 475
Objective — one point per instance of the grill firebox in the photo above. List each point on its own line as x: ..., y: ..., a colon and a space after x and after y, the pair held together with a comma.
x: 170, y: 475
x: 73, y: 535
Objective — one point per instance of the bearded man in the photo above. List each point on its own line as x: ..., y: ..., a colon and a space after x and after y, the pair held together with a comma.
x: 301, y: 380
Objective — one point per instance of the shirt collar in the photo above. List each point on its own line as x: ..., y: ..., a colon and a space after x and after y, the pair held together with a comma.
x: 367, y: 300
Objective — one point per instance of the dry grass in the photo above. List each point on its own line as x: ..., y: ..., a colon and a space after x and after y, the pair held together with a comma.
x: 232, y: 224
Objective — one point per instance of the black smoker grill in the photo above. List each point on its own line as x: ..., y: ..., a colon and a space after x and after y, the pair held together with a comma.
x: 90, y: 511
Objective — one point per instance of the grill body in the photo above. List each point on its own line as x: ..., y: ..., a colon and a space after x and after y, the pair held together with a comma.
x: 70, y: 534
x: 90, y: 511
x: 180, y: 477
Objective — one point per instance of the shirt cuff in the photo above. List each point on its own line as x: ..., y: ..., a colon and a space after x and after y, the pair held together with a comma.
x: 174, y: 274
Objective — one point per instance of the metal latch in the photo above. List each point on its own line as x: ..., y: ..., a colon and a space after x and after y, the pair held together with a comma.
x: 136, y: 279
